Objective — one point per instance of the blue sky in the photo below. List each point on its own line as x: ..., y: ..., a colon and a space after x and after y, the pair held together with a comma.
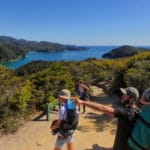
x: 80, y: 22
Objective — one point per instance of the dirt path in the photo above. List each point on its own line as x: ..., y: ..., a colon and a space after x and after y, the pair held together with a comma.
x: 95, y: 131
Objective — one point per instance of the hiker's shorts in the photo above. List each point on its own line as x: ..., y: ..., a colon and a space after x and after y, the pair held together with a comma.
x: 61, y: 141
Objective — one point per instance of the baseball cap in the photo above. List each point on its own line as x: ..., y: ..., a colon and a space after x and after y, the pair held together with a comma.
x: 131, y: 91
x: 64, y: 93
x: 146, y: 94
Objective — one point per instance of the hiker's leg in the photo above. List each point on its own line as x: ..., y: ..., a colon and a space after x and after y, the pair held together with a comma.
x: 86, y: 98
x: 56, y: 148
x: 70, y: 146
x: 83, y: 109
x: 59, y: 143
x: 84, y: 105
x: 70, y: 142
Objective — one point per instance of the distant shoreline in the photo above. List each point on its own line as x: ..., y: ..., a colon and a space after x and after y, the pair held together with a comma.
x: 67, y: 55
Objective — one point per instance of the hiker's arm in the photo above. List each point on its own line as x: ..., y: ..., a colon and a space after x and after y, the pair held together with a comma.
x: 99, y: 107
x: 61, y: 114
x: 56, y: 125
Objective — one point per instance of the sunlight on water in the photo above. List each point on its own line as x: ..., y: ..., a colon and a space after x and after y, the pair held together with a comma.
x: 67, y: 55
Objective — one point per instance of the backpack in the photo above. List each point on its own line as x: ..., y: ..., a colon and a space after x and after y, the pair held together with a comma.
x: 69, y: 125
x: 140, y: 136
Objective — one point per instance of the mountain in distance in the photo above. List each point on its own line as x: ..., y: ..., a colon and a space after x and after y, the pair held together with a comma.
x: 12, y: 48
x: 123, y: 51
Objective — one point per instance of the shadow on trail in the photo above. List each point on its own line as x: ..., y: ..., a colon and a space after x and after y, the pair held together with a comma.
x: 101, y: 121
x: 40, y: 117
x: 97, y: 147
x: 43, y: 116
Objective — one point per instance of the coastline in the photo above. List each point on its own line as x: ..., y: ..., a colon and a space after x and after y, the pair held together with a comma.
x: 67, y: 55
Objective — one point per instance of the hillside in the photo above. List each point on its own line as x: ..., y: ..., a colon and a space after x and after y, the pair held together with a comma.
x: 11, y: 48
x: 124, y: 51
x: 28, y: 89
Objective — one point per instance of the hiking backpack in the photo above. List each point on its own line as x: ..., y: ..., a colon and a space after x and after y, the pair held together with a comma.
x: 140, y: 136
x: 69, y: 124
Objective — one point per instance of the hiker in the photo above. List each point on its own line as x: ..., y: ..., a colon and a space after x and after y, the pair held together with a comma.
x: 140, y: 137
x: 83, y: 92
x: 65, y: 128
x: 77, y: 88
x: 126, y: 114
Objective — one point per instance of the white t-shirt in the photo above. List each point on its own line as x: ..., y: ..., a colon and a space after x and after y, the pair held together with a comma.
x: 62, y: 113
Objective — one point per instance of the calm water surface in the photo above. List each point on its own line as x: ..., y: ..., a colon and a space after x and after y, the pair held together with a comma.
x: 67, y: 55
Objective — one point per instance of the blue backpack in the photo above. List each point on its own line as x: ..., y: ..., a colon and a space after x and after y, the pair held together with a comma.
x: 140, y: 137
x: 69, y: 125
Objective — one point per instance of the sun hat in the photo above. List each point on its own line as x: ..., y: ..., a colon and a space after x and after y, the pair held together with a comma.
x: 131, y: 91
x: 64, y: 93
x: 146, y: 95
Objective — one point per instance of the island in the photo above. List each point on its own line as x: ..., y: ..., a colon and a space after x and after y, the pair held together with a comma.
x: 124, y: 51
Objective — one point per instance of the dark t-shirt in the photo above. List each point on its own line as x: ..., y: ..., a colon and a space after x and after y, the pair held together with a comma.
x: 126, y: 119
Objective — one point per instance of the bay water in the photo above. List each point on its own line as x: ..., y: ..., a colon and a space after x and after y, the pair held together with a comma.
x: 67, y: 55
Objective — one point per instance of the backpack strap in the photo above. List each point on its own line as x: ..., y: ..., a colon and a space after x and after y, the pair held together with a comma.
x: 146, y: 123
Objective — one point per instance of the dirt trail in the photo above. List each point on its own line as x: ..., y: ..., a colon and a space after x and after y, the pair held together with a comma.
x: 96, y: 131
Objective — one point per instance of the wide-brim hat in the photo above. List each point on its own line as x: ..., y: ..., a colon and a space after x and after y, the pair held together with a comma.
x: 65, y: 94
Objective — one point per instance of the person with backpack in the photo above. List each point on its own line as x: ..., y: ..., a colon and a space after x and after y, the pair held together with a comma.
x: 66, y: 123
x: 126, y: 114
x: 140, y: 137
x: 83, y: 91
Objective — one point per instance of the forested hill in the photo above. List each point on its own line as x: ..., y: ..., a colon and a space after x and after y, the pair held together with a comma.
x: 124, y: 51
x: 11, y: 48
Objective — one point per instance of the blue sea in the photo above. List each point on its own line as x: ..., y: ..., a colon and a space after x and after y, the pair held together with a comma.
x: 67, y: 55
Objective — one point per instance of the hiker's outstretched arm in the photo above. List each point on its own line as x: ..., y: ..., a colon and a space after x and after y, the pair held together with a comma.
x: 99, y: 107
